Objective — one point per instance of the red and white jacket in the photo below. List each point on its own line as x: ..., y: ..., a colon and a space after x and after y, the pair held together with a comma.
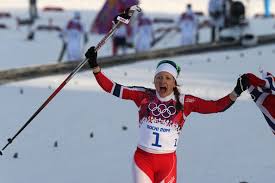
x: 159, y: 122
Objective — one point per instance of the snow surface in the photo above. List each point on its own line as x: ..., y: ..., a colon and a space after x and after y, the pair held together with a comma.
x: 229, y: 147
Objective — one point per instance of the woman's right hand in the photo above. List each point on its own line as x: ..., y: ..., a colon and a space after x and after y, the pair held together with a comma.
x: 91, y: 55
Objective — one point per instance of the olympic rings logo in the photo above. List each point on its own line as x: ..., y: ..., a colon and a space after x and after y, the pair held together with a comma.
x: 162, y: 110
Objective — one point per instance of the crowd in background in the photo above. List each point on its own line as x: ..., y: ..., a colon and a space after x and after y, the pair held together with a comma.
x: 141, y: 35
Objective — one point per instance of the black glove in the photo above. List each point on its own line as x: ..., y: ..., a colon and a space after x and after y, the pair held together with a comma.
x: 242, y: 84
x: 91, y: 55
x: 124, y: 15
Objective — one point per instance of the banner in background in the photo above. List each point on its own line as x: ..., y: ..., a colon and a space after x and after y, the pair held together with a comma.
x: 103, y: 21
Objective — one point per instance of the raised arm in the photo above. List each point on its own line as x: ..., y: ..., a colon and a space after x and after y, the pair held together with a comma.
x: 129, y: 93
x: 255, y: 81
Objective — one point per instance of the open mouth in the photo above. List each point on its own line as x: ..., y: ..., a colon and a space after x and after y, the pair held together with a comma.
x: 163, y: 89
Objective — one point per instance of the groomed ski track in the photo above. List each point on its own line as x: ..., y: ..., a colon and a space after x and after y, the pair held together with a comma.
x: 31, y: 72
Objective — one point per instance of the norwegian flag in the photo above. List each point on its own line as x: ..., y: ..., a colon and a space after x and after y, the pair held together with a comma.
x: 262, y: 92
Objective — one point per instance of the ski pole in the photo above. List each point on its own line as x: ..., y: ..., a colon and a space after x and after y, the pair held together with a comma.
x: 59, y: 88
x: 69, y: 77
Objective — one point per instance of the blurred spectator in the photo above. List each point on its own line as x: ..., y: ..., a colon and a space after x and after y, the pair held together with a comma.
x: 72, y: 36
x: 119, y: 39
x: 216, y: 9
x: 144, y: 33
x: 237, y: 14
x: 227, y: 14
x: 33, y: 10
x: 188, y: 26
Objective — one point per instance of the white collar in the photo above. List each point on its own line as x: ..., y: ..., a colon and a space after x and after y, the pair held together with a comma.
x: 167, y: 98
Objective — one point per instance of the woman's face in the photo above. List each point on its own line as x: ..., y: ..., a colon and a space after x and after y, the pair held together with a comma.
x: 164, y: 83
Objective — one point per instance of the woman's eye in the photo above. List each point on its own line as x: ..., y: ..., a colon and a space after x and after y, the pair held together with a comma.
x: 164, y: 78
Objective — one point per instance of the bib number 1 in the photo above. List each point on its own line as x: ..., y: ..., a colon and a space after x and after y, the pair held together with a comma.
x: 157, y: 140
x: 156, y: 143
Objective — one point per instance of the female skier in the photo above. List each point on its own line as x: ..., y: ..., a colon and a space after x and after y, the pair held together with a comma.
x: 162, y: 113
